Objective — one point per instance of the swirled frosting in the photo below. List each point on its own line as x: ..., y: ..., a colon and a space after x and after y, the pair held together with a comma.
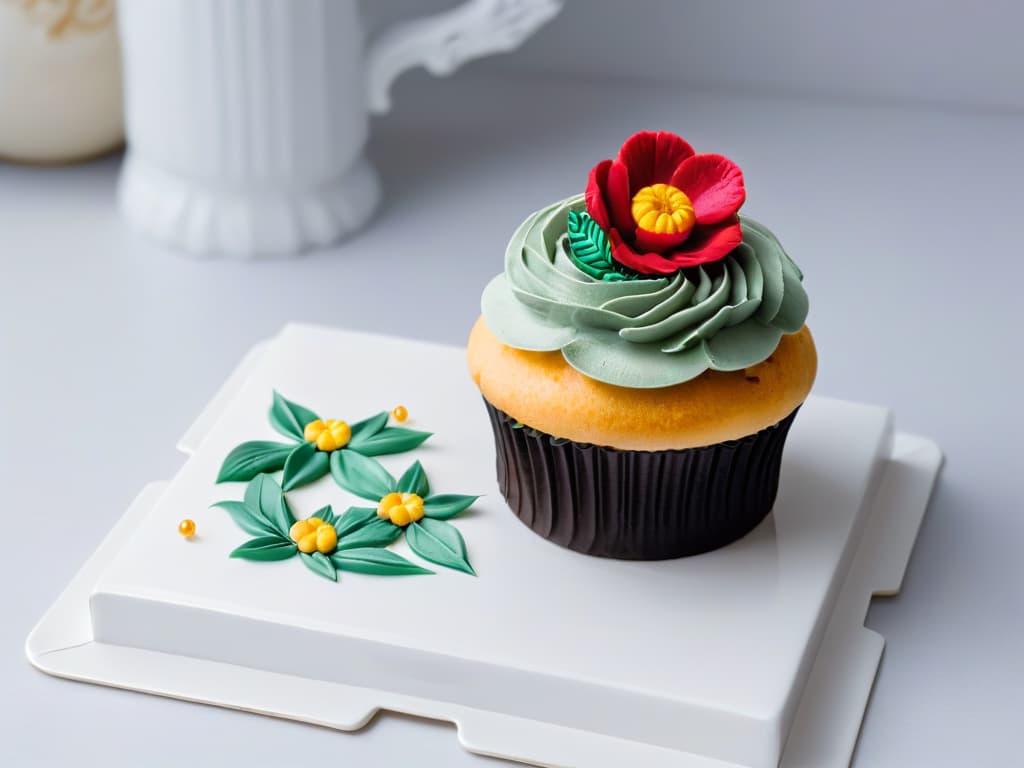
x: 724, y: 315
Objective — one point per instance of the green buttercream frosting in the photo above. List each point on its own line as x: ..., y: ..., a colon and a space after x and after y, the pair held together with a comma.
x: 725, y: 316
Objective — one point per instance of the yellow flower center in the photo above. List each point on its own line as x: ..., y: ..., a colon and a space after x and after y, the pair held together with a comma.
x: 328, y: 436
x: 663, y: 209
x: 401, y: 508
x: 314, y: 535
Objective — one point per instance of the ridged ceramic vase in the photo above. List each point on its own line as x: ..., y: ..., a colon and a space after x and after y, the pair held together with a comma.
x: 246, y: 119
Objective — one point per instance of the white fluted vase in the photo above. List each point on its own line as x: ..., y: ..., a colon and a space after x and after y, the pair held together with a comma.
x: 246, y: 119
x: 240, y: 151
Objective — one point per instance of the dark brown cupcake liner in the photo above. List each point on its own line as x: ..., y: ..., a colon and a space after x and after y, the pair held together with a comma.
x: 637, y: 505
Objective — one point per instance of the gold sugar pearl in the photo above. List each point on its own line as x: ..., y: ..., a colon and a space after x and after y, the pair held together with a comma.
x: 187, y: 528
x: 400, y: 413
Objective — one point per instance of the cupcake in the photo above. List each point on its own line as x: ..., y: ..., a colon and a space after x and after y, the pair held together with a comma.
x: 642, y: 358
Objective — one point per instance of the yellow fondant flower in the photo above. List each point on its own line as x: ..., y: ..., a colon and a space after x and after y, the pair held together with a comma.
x: 314, y: 535
x: 328, y: 435
x: 401, y: 508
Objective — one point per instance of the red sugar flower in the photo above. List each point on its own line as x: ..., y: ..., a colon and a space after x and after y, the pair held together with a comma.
x: 664, y: 207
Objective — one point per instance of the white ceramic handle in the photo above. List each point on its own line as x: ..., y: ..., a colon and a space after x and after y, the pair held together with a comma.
x: 446, y: 40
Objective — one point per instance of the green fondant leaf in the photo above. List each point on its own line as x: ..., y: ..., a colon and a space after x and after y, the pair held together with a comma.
x: 361, y: 430
x: 266, y: 548
x: 440, y: 543
x: 320, y: 564
x: 361, y: 475
x: 414, y: 480
x: 377, y: 562
x: 390, y: 440
x: 326, y: 514
x: 250, y: 459
x: 265, y: 495
x: 290, y: 419
x: 376, y: 533
x: 304, y: 465
x: 354, y: 518
x: 248, y: 519
x: 589, y: 249
x: 447, y: 505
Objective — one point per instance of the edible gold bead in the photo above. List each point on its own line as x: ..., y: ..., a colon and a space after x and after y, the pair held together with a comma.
x: 187, y: 528
x: 400, y: 413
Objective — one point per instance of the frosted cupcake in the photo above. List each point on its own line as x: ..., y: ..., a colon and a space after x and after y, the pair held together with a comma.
x: 642, y: 358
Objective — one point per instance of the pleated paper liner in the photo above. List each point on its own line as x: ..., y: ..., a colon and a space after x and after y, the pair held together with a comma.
x: 638, y: 505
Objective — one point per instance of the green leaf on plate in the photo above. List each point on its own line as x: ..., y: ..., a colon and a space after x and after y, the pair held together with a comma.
x: 440, y: 543
x: 265, y: 495
x: 266, y: 548
x: 361, y: 475
x: 414, y: 480
x: 376, y: 533
x: 361, y: 430
x: 250, y: 459
x: 326, y: 514
x: 304, y: 465
x: 320, y: 564
x: 390, y: 440
x: 248, y: 519
x: 377, y: 562
x: 290, y: 419
x: 354, y: 518
x: 447, y: 505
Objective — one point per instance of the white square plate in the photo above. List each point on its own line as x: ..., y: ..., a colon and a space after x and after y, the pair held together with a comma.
x: 736, y: 657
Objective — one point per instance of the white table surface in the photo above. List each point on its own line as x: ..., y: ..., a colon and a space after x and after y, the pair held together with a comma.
x: 903, y: 221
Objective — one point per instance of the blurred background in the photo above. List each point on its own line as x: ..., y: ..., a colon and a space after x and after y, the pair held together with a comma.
x: 883, y: 142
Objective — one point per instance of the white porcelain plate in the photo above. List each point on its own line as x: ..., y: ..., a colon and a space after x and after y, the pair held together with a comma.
x: 747, y: 656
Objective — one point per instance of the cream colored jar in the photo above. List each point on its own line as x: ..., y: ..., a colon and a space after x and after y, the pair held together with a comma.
x: 60, y: 80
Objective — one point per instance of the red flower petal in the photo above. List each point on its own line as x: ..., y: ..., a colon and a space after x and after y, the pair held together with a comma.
x: 704, y: 245
x: 714, y: 185
x: 709, y: 243
x: 597, y: 182
x: 652, y: 241
x: 652, y: 157
x: 618, y: 198
x: 644, y: 263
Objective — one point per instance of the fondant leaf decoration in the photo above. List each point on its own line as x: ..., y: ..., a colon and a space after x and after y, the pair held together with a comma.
x: 361, y: 475
x: 304, y: 465
x: 589, y: 249
x: 367, y: 428
x: 447, y: 505
x: 326, y: 514
x: 389, y: 440
x: 376, y: 533
x: 290, y: 419
x: 320, y: 564
x: 414, y: 480
x: 265, y: 495
x: 353, y: 519
x: 440, y: 543
x: 247, y: 518
x: 266, y: 548
x: 250, y: 459
x: 375, y: 561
